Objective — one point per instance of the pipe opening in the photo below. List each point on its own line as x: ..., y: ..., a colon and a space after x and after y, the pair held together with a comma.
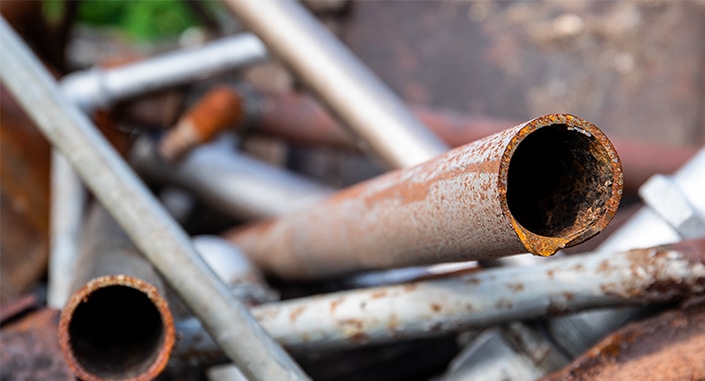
x: 559, y: 181
x: 116, y: 332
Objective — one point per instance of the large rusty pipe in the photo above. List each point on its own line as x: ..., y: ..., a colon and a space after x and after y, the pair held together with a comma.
x: 549, y: 183
x: 117, y: 325
x: 430, y: 308
x: 298, y: 118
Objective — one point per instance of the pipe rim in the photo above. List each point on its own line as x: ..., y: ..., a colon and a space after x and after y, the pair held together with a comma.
x: 167, y: 342
x: 544, y: 245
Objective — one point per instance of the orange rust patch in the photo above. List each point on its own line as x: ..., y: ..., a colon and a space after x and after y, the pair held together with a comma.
x: 378, y: 294
x: 334, y: 304
x: 296, y: 312
x: 435, y: 307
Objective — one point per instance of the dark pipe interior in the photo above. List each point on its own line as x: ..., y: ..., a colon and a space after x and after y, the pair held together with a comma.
x: 116, y: 332
x: 558, y: 181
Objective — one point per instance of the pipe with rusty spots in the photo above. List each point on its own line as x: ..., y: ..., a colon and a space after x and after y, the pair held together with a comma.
x: 549, y: 183
x: 117, y: 325
x: 430, y: 308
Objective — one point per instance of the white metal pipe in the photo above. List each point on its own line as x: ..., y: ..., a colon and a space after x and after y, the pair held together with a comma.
x: 231, y: 182
x: 363, y: 103
x: 99, y: 87
x: 67, y: 205
x: 149, y: 226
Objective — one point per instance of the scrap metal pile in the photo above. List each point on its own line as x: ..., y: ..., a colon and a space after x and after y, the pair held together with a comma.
x: 176, y: 255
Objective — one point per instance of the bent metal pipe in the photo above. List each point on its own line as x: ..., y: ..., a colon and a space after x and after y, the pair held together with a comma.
x: 546, y: 184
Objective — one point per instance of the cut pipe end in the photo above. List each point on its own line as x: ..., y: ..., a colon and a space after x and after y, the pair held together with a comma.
x: 116, y: 327
x: 560, y: 182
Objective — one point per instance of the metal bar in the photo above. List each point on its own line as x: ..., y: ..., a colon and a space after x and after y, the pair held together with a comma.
x: 98, y: 87
x: 67, y: 199
x: 362, y: 102
x: 491, y: 297
x: 233, y: 183
x: 117, y: 324
x: 149, y: 226
x: 547, y: 184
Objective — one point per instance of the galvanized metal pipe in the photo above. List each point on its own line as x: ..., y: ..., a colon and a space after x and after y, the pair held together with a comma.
x: 149, y: 226
x: 233, y: 183
x: 547, y: 184
x: 99, y: 87
x: 351, y: 91
x: 490, y: 297
x: 117, y: 324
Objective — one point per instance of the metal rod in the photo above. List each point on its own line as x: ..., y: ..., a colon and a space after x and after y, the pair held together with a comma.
x: 68, y: 197
x: 98, y: 87
x: 547, y: 184
x: 149, y: 226
x: 350, y: 90
x: 490, y: 297
x: 231, y: 182
x: 117, y: 324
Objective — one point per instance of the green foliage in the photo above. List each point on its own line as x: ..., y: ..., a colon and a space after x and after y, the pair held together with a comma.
x: 141, y: 20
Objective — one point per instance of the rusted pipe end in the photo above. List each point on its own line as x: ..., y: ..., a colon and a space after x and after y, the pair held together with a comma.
x: 221, y: 108
x: 116, y: 328
x: 560, y: 182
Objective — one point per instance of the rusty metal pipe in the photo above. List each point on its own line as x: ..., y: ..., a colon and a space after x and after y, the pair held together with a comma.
x: 117, y: 324
x: 362, y: 102
x: 547, y: 184
x: 157, y: 236
x: 490, y: 297
x: 298, y: 118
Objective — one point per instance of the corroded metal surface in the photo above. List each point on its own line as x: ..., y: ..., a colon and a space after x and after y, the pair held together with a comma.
x: 426, y: 309
x: 300, y: 120
x: 103, y: 355
x: 220, y: 108
x: 30, y: 349
x: 669, y: 346
x: 475, y: 202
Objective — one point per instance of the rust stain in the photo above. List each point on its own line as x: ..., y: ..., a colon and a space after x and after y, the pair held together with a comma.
x: 604, y: 267
x: 435, y: 307
x: 516, y: 287
x: 409, y: 287
x: 378, y: 294
x: 334, y: 304
x: 296, y: 312
x: 568, y: 296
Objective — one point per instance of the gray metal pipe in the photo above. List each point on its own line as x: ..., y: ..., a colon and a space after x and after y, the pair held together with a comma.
x: 149, y: 226
x: 233, y: 183
x: 351, y: 91
x: 547, y: 184
x: 99, y: 87
x: 491, y: 297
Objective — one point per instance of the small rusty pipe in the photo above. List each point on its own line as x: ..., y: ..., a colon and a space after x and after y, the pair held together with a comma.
x: 117, y: 325
x: 549, y: 183
x: 490, y: 297
x: 233, y: 183
x: 159, y: 238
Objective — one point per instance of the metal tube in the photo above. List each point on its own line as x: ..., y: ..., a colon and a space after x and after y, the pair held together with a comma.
x: 365, y: 105
x: 490, y: 297
x: 233, y: 183
x: 117, y: 324
x: 68, y: 197
x: 299, y: 119
x: 547, y: 184
x: 149, y: 226
x: 98, y: 87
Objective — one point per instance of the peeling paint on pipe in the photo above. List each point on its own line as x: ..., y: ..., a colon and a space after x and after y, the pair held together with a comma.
x: 549, y: 183
x: 491, y: 297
